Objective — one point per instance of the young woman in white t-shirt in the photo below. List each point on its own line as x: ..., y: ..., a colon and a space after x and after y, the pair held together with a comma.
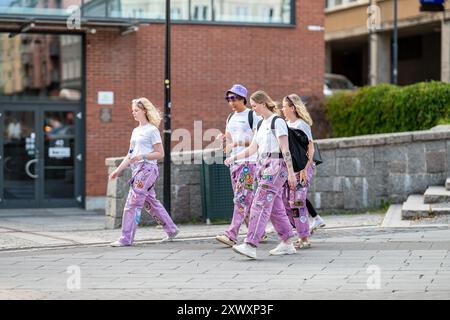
x: 273, y: 171
x: 145, y: 150
x: 298, y: 117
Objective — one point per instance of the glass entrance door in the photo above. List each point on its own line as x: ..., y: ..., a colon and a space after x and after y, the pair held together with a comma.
x: 59, y: 155
x: 40, y: 157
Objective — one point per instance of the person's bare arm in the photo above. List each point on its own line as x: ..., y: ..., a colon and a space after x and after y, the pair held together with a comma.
x: 158, y: 153
x: 284, y: 146
x: 247, y: 152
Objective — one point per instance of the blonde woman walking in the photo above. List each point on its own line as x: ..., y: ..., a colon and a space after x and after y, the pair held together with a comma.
x: 298, y: 117
x: 145, y: 149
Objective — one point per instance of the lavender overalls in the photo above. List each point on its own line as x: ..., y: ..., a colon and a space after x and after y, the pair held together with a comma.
x: 268, y: 202
x: 243, y: 181
x: 142, y: 195
x: 295, y: 204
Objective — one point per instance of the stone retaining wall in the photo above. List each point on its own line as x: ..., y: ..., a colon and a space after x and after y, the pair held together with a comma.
x: 367, y: 171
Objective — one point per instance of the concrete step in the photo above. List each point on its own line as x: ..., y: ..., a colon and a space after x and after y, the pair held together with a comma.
x: 447, y: 184
x: 393, y: 217
x: 436, y: 194
x: 415, y: 207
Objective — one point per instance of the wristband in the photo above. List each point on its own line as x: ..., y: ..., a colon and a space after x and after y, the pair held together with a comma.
x: 144, y: 158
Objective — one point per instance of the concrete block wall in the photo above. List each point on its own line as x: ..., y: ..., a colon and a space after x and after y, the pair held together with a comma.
x: 363, y: 172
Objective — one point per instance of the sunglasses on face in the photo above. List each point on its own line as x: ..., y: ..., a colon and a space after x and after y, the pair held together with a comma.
x: 231, y: 98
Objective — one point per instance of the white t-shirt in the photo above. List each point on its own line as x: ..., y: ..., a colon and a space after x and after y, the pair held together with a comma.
x: 142, y: 141
x: 267, y: 143
x: 240, y: 131
x: 302, y: 125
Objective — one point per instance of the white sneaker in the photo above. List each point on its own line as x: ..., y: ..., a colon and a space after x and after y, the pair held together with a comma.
x: 225, y: 240
x: 283, y: 248
x: 246, y: 250
x: 170, y: 237
x: 317, y: 223
x: 117, y: 244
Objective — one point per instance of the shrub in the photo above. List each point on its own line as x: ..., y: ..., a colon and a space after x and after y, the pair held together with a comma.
x: 387, y: 108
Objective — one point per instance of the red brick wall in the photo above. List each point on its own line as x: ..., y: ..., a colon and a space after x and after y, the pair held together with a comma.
x: 206, y: 60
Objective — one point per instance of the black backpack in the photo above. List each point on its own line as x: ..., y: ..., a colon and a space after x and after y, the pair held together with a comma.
x: 298, y: 145
x: 250, y: 118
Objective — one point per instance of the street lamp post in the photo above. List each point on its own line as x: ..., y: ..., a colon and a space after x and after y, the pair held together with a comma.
x: 395, y: 46
x: 167, y: 125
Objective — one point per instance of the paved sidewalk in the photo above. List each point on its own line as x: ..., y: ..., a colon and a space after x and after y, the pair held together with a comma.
x: 350, y: 263
x: 44, y: 228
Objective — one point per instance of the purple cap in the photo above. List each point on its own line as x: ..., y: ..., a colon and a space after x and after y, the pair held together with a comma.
x: 240, y: 90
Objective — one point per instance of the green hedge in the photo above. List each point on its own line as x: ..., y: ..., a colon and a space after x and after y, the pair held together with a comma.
x: 387, y: 108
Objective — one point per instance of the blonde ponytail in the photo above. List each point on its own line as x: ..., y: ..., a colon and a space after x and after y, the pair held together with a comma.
x: 263, y: 98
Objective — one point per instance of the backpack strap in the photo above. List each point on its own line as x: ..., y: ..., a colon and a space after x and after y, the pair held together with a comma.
x: 229, y: 117
x: 250, y: 119
x: 272, y: 125
x: 259, y: 124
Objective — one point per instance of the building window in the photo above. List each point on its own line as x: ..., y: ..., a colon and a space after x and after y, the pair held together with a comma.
x: 38, y: 66
x: 201, y: 13
x: 341, y: 4
x: 231, y: 11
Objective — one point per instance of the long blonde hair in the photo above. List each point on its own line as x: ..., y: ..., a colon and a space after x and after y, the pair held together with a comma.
x: 151, y: 112
x: 263, y: 98
x: 300, y: 109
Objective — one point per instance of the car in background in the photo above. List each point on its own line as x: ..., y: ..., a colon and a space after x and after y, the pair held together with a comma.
x: 336, y: 82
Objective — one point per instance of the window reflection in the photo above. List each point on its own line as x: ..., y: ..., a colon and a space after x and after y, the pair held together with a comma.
x: 42, y: 66
x: 247, y: 11
x: 59, y: 160
x: 44, y: 7
x: 19, y: 151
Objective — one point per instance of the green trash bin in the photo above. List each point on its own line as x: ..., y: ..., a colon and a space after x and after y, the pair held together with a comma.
x: 217, y: 192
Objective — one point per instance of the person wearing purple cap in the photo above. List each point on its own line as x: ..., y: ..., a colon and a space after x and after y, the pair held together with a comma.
x: 240, y: 127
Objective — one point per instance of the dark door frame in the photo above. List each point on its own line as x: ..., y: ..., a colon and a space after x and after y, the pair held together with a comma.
x: 40, y: 202
x: 40, y: 106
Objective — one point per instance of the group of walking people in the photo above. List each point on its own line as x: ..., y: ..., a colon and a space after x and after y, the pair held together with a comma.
x: 264, y: 182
